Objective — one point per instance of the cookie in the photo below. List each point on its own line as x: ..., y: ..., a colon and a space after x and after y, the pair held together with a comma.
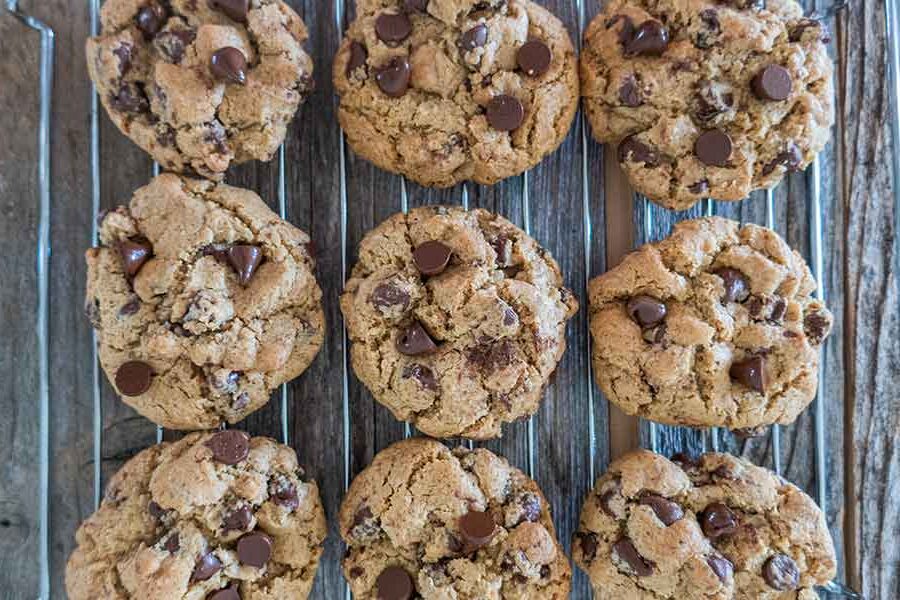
x: 457, y: 320
x: 444, y: 91
x: 713, y: 528
x: 707, y: 99
x: 204, y: 302
x: 714, y: 326
x: 201, y: 85
x: 219, y: 516
x: 426, y: 522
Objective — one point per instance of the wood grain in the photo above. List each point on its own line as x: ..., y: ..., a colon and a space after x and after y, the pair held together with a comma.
x: 578, y: 206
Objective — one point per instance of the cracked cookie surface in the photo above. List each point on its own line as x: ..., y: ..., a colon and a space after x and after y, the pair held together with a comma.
x: 713, y: 528
x: 714, y: 326
x: 444, y: 91
x: 707, y: 99
x: 460, y: 524
x: 219, y: 516
x: 470, y: 345
x: 204, y: 302
x: 166, y: 82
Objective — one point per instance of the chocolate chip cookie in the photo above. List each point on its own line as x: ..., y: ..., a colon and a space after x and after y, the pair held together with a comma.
x: 444, y: 91
x: 201, y: 84
x: 457, y: 320
x: 716, y: 527
x: 219, y: 516
x: 714, y: 326
x: 204, y: 302
x: 707, y: 99
x: 424, y: 522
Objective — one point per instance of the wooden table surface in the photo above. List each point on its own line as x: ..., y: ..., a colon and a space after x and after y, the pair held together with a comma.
x: 575, y: 203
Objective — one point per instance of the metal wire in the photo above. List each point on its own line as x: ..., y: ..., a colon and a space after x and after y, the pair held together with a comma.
x: 282, y: 212
x: 526, y: 226
x: 892, y: 26
x: 776, y: 430
x: 647, y: 206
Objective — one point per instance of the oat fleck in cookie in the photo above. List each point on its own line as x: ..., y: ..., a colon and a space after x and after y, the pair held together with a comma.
x: 707, y: 99
x: 444, y: 91
x: 204, y: 302
x: 220, y: 516
x: 201, y: 84
x: 714, y: 326
x: 424, y: 522
x: 713, y: 528
x: 457, y: 320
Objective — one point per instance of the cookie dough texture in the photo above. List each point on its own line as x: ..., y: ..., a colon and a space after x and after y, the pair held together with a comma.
x: 497, y: 315
x: 405, y: 509
x: 216, y: 347
x: 160, y: 91
x: 763, y: 517
x: 702, y: 81
x: 679, y: 371
x: 173, y: 508
x: 438, y: 133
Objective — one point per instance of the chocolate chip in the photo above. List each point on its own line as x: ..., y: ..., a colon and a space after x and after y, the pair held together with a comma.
x: 237, y: 520
x: 710, y: 100
x: 798, y: 31
x: 134, y: 254
x: 172, y: 44
x: 700, y: 188
x: 285, y: 495
x: 229, y: 593
x: 491, y: 357
x: 415, y: 341
x: 173, y: 544
x: 474, y: 38
x: 649, y: 39
x: 129, y: 99
x: 393, y: 78
x: 531, y: 507
x: 646, y: 311
x: 416, y: 5
x: 721, y: 566
x: 477, y: 528
x: 588, y: 545
x: 736, y: 287
x: 667, y: 511
x: 534, y: 58
x: 156, y: 511
x: 502, y: 246
x: 229, y: 64
x: 124, y: 52
x: 130, y: 308
x: 150, y: 19
x: 133, y: 378
x: 505, y: 113
x: 627, y: 29
x: 781, y: 573
x: 605, y: 502
x: 750, y: 372
x: 357, y: 572
x: 779, y: 308
x: 683, y: 459
x: 388, y: 295
x: 708, y: 33
x: 245, y: 259
x: 713, y: 148
x: 630, y: 93
x: 816, y: 326
x: 633, y: 150
x: 358, y: 57
x: 229, y: 447
x: 236, y: 10
x: 254, y: 549
x: 432, y: 257
x: 773, y: 82
x: 392, y: 28
x: 241, y: 401
x: 422, y: 374
x: 790, y: 159
x: 625, y: 550
x: 394, y: 584
x: 206, y: 566
x: 718, y: 520
x: 510, y: 317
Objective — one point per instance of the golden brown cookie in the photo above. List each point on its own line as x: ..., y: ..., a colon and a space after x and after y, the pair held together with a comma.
x: 714, y: 326
x: 713, y: 528
x: 444, y: 91
x: 707, y: 99
x: 219, y: 516
x: 424, y: 522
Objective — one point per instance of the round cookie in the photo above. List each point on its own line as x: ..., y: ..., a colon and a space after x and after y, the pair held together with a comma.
x: 219, y: 516
x: 714, y: 326
x: 199, y: 84
x: 707, y: 99
x: 444, y: 91
x: 424, y: 522
x: 204, y: 302
x: 716, y: 528
x: 457, y: 320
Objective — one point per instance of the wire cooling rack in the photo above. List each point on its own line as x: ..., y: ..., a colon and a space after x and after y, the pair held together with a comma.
x: 651, y: 433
